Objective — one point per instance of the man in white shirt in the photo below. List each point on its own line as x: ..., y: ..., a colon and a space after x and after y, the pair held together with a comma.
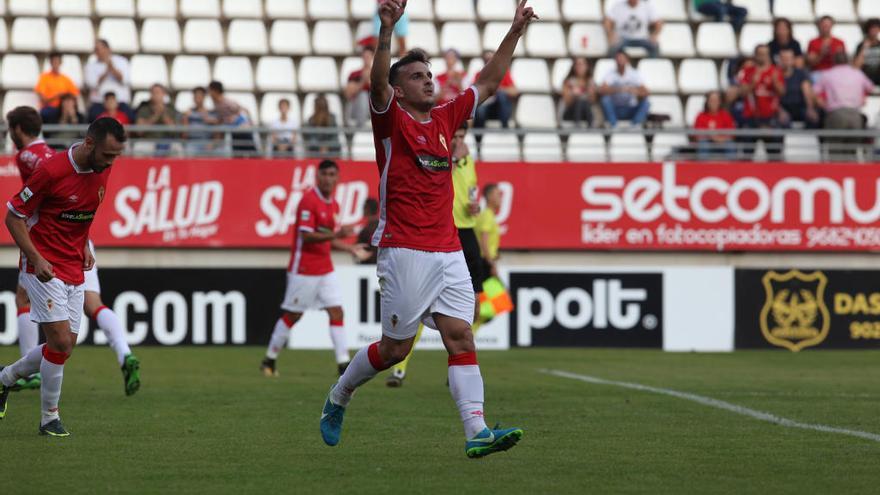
x: 623, y: 93
x: 632, y: 23
x: 107, y: 73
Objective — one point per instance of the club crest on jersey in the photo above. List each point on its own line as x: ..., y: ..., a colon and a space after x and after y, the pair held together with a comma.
x: 443, y: 143
x: 25, y: 194
x: 394, y: 320
x: 100, y: 195
x: 306, y: 214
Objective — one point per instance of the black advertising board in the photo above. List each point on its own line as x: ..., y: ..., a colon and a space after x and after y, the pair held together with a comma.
x: 799, y: 309
x: 567, y: 308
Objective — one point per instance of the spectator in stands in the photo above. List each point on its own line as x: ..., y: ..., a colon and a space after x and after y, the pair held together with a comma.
x: 51, y: 86
x: 401, y: 29
x: 450, y: 83
x: 283, y: 137
x: 822, y: 50
x: 578, y: 94
x: 323, y: 144
x: 623, y: 93
x: 632, y: 23
x: 112, y: 109
x: 719, y: 9
x: 68, y: 114
x: 231, y: 113
x: 500, y: 105
x: 365, y: 236
x: 783, y: 40
x: 714, y: 117
x: 107, y: 73
x: 842, y: 90
x: 798, y: 103
x: 357, y: 90
x: 199, y: 114
x: 867, y: 55
x: 156, y: 110
x: 761, y: 85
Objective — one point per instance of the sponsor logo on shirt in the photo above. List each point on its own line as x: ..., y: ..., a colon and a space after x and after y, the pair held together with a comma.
x: 306, y: 214
x: 434, y: 163
x: 25, y: 194
x: 76, y: 216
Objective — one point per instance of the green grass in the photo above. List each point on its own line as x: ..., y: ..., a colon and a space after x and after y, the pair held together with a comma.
x: 206, y: 421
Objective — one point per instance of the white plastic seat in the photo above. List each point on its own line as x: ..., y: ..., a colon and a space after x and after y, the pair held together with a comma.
x: 362, y: 146
x: 871, y: 109
x: 494, y: 32
x: 19, y: 71
x: 581, y: 10
x: 463, y: 36
x: 753, y: 35
x: 473, y: 67
x: 499, y: 147
x: 850, y: 34
x: 362, y: 9
x: 759, y: 10
x: 716, y: 40
x: 676, y: 40
x: 587, y: 40
x: 139, y: 97
x: 601, y: 68
x: 546, y: 40
x: 697, y: 76
x: 587, y: 148
x: 536, y: 111
x: 840, y: 10
x: 665, y: 143
x: 235, y: 73
x: 276, y: 74
x: 286, y: 9
x: 422, y: 10
x: 454, y: 10
x: 804, y: 33
x: 74, y: 34
x: 290, y: 38
x: 495, y: 10
x: 203, y: 36
x: 668, y: 105
x: 801, y: 148
x: 147, y: 70
x: 868, y: 9
x: 794, y: 10
x: 18, y: 8
x: 424, y: 36
x: 269, y: 107
x: 19, y: 98
x: 542, y: 148
x: 561, y: 68
x: 161, y: 35
x: 247, y: 101
x: 247, y: 37
x: 628, y: 148
x: 234, y: 9
x: 351, y: 64
x: 531, y: 75
x: 334, y: 103
x: 328, y: 9
x: 331, y: 38
x: 671, y: 10
x: 122, y: 34
x: 71, y: 66
x: 31, y: 34
x: 61, y: 8
x: 156, y: 8
x: 693, y: 107
x: 658, y: 74
x: 4, y: 37
x: 114, y: 8
x: 547, y: 10
x: 318, y: 74
x: 199, y: 8
x: 189, y: 71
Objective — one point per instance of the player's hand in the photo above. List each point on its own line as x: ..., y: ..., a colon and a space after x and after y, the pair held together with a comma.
x: 524, y: 15
x: 43, y: 270
x: 89, y: 261
x: 360, y: 252
x: 390, y: 12
x: 345, y: 231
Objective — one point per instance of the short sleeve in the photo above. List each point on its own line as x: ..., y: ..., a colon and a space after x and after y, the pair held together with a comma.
x: 306, y: 216
x: 27, y: 201
x: 382, y: 118
x: 460, y: 109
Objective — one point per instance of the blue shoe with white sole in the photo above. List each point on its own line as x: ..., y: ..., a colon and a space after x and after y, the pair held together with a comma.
x: 331, y: 421
x: 490, y: 441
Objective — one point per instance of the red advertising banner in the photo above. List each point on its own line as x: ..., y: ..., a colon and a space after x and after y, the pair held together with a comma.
x: 645, y: 206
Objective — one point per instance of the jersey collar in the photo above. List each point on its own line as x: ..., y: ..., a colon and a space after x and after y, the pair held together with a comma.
x: 34, y: 143
x: 73, y: 163
x: 321, y: 196
x: 411, y: 116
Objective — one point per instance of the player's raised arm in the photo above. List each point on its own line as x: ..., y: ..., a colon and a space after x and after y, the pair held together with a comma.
x: 380, y: 90
x: 493, y: 72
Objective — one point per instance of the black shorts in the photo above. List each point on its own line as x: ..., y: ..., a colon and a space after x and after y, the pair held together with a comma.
x: 472, y: 257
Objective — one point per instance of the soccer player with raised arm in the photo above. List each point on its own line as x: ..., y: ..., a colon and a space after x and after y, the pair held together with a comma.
x: 49, y: 219
x: 422, y: 272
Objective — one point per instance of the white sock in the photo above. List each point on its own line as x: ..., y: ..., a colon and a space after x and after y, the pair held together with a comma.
x: 466, y: 387
x: 50, y: 388
x: 365, y: 365
x: 279, y: 337
x: 115, y: 332
x: 340, y: 343
x: 28, y: 333
x: 24, y: 367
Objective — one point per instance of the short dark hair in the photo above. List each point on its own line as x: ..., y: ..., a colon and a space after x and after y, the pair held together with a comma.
x: 25, y: 118
x: 54, y: 54
x: 101, y: 128
x: 411, y: 57
x: 284, y: 100
x: 159, y: 85
x: 104, y: 42
x: 371, y: 206
x: 108, y: 94
x: 325, y: 164
x: 199, y: 88
x: 216, y: 86
x: 824, y: 17
x: 871, y: 23
x: 488, y: 188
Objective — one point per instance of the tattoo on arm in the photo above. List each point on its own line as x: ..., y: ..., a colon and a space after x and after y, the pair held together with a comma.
x: 385, y: 44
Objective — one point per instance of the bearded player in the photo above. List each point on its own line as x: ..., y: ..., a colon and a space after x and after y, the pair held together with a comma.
x: 49, y: 219
x: 422, y: 272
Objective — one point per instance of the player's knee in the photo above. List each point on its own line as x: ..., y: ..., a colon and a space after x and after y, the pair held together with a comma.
x: 395, y: 353
x: 335, y: 313
x: 21, y: 298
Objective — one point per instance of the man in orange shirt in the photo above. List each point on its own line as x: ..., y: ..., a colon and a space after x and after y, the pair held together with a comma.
x: 51, y: 86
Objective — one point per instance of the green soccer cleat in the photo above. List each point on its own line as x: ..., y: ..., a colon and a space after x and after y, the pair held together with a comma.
x: 4, y: 396
x: 490, y: 441
x: 54, y: 428
x: 32, y: 382
x: 131, y: 375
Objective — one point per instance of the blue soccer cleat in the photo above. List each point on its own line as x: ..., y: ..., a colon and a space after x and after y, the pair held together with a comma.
x: 490, y: 441
x: 331, y: 421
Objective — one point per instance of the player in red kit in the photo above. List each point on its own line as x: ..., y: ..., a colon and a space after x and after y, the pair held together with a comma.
x: 422, y: 272
x: 49, y: 219
x: 311, y: 281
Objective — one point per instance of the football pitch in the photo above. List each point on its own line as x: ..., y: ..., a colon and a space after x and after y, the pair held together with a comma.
x: 206, y: 421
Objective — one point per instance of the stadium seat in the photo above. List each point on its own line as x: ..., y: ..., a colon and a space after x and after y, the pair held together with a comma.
x: 203, y: 36
x: 31, y: 34
x: 422, y: 10
x: 871, y: 110
x: 199, y: 8
x: 671, y: 10
x: 454, y: 10
x: 530, y: 75
x: 868, y: 9
x: 269, y: 107
x: 759, y: 10
x: 139, y: 97
x: 587, y: 40
x: 851, y: 34
x: 79, y: 8
x: 18, y: 98
x: 333, y: 102
x: 247, y: 37
x: 71, y: 66
x: 668, y: 105
x: 716, y: 40
x: 156, y: 8
x: 582, y: 10
x: 351, y: 64
x: 801, y: 148
x: 693, y: 107
x: 235, y: 73
x: 189, y: 71
x: 362, y: 9
x: 840, y: 10
x: 183, y: 101
x: 659, y: 75
x: 495, y: 10
x: 601, y: 68
x: 474, y: 66
x: 752, y: 35
x: 546, y: 40
x: 499, y: 147
x: 547, y: 10
x: 697, y: 76
x: 665, y: 143
x: 114, y: 8
x: 794, y: 10
x: 19, y: 71
x: 276, y: 74
x: 147, y: 70
x: 233, y: 9
x: 494, y: 32
x: 561, y: 68
x: 625, y: 147
x: 362, y: 146
x: 463, y: 36
x: 424, y: 36
x: 160, y: 35
x: 676, y: 41
x: 247, y: 101
x: 328, y: 9
x: 290, y: 38
x: 584, y: 147
x: 18, y: 8
x: 804, y: 33
x: 122, y: 34
x: 4, y: 37
x: 542, y: 148
x: 536, y: 111
x: 286, y: 9
x: 74, y: 34
x: 332, y: 38
x: 318, y: 74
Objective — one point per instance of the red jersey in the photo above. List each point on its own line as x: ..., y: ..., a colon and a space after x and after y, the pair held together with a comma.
x: 827, y: 61
x: 763, y: 102
x: 719, y: 120
x: 415, y: 168
x: 315, y: 213
x: 30, y: 156
x: 120, y: 117
x: 59, y: 201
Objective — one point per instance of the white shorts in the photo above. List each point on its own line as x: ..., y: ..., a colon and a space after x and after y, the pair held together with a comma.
x: 417, y: 284
x: 54, y: 300
x: 306, y: 292
x: 92, y: 284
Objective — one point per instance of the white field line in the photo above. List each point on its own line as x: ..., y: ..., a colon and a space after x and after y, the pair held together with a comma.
x: 718, y: 404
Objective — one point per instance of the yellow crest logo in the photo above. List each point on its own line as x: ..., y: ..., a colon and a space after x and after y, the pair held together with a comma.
x: 794, y: 315
x: 443, y: 142
x: 100, y: 194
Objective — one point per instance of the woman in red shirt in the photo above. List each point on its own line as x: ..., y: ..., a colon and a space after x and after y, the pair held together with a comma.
x: 714, y: 117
